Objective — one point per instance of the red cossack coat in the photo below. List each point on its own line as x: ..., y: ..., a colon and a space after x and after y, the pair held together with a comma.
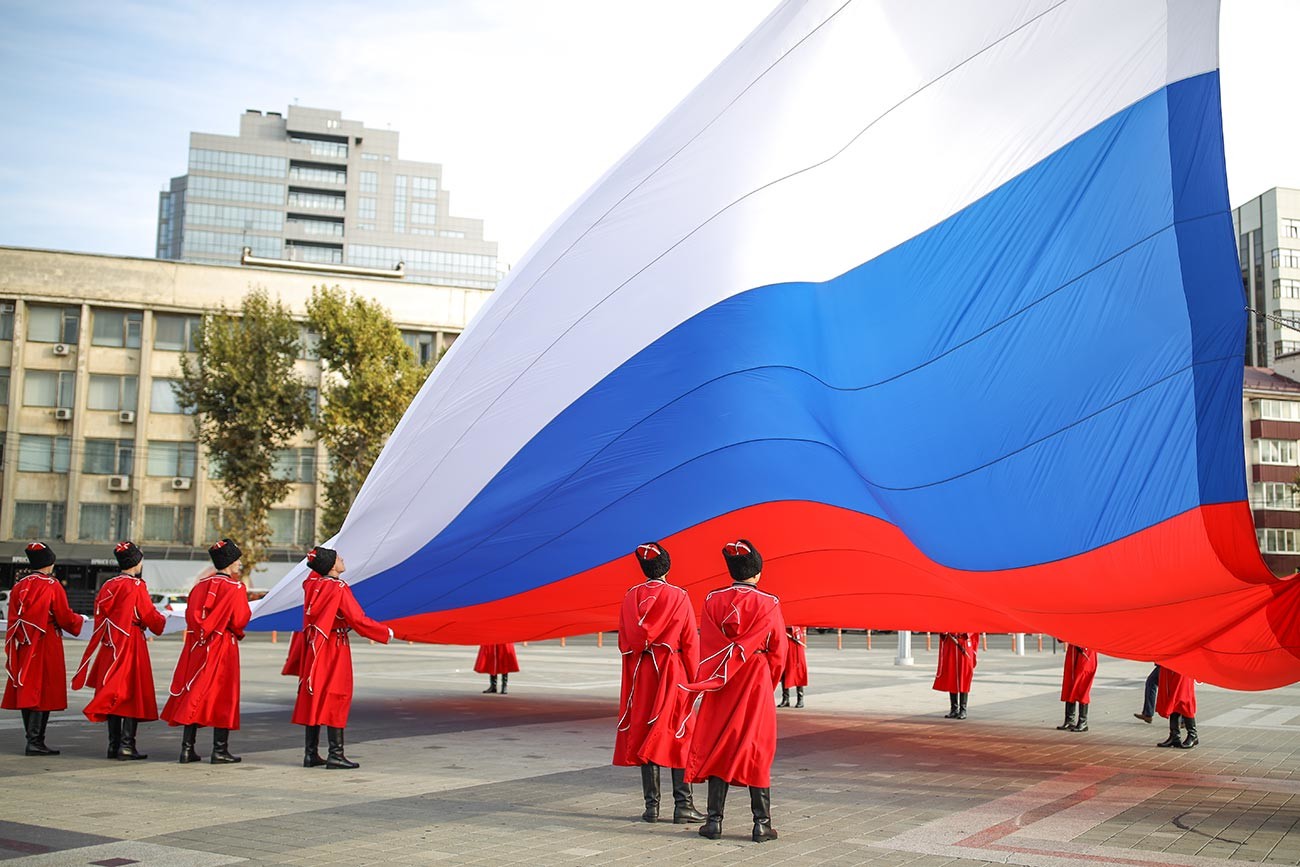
x: 37, y: 678
x: 116, y: 662
x: 957, y: 658
x: 321, y: 656
x: 742, y: 655
x: 1175, y: 693
x: 796, y: 659
x: 660, y: 645
x: 1080, y: 669
x: 496, y: 659
x: 205, y: 687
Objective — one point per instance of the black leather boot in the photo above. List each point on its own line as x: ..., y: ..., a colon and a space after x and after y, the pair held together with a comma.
x: 785, y: 698
x: 760, y: 803
x: 34, y: 731
x: 1175, y: 736
x: 712, y: 827
x: 188, y: 735
x: 798, y: 694
x: 650, y: 788
x: 40, y: 734
x: 961, y: 704
x: 336, y: 758
x: 1069, y: 717
x: 1082, y: 724
x: 1192, y: 740
x: 114, y: 735
x: 684, y: 812
x: 492, y: 684
x: 311, y: 758
x: 221, y: 748
x: 127, y: 751
x: 505, y: 679
x: 952, y: 706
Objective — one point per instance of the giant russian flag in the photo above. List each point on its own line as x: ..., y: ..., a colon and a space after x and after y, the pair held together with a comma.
x: 938, y: 303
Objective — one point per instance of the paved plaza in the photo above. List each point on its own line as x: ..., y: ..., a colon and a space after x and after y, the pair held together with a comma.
x: 868, y: 773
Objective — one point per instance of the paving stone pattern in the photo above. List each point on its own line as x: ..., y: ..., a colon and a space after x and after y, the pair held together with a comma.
x: 868, y: 773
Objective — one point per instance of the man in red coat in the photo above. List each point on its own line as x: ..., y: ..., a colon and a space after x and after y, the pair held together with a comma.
x: 742, y: 655
x: 494, y: 659
x: 1076, y: 686
x: 37, y: 681
x: 796, y: 666
x: 658, y: 639
x: 116, y: 662
x: 1176, y: 699
x: 205, y: 687
x: 322, y: 657
x: 957, y: 658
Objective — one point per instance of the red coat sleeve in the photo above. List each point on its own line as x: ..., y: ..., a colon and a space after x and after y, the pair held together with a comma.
x: 64, y: 617
x: 241, y: 612
x: 357, y: 619
x: 150, y: 617
x: 777, y: 646
x: 690, y: 639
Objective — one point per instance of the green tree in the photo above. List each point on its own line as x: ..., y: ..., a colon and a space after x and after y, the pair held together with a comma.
x: 249, y: 403
x: 371, y: 378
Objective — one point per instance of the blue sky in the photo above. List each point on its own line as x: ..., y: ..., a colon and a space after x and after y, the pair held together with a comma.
x: 524, y: 102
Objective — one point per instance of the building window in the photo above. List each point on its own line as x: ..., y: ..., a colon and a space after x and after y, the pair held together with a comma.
x: 424, y: 188
x: 49, y: 388
x: 296, y: 465
x: 319, y: 148
x: 370, y: 156
x: 399, y: 203
x: 1285, y: 258
x: 367, y: 208
x: 1274, y: 495
x: 299, y: 251
x: 423, y: 344
x: 230, y: 190
x: 104, y: 522
x: 38, y: 520
x: 119, y: 328
x: 308, y: 226
x: 1270, y: 541
x: 1275, y: 410
x: 424, y: 212
x: 108, y: 457
x: 324, y: 201
x: 169, y: 523
x: 371, y: 256
x: 6, y: 320
x: 313, y: 402
x: 172, y: 458
x: 318, y: 174
x: 1274, y: 452
x: 44, y: 454
x: 4, y: 386
x: 175, y: 333
x: 1290, y: 228
x: 1285, y: 347
x: 370, y: 182
x: 308, y: 344
x: 112, y: 393
x: 164, y: 399
x: 230, y: 244
x: 52, y: 324
x: 290, y: 527
x: 233, y: 217
x: 1286, y: 289
x: 236, y: 164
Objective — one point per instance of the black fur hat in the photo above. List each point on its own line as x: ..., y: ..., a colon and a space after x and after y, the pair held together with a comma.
x: 321, y: 560
x: 224, y: 552
x: 127, y: 554
x: 39, y: 555
x: 654, y: 560
x: 743, y: 559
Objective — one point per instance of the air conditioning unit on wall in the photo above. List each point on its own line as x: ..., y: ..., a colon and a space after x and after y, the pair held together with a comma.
x: 62, y: 349
x: 119, y: 483
x: 126, y: 416
x: 63, y: 414
x: 181, y: 483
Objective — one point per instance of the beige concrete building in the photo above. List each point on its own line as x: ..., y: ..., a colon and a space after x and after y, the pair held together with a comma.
x: 95, y: 446
x: 1268, y: 239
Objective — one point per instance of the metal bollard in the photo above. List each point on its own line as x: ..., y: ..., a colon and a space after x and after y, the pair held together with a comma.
x: 927, y: 641
x: 839, y: 639
x: 274, y: 637
x: 562, y: 644
x: 600, y: 639
x: 868, y: 639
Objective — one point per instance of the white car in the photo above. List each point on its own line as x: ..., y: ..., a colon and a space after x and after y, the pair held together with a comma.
x: 169, y: 601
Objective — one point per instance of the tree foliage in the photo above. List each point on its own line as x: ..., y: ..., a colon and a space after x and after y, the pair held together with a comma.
x: 249, y: 403
x: 372, y: 376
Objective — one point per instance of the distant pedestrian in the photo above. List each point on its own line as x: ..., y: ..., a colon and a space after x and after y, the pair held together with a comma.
x: 116, y: 661
x: 1176, y: 699
x: 659, y: 642
x: 494, y: 660
x: 796, y: 665
x: 321, y: 656
x: 958, y: 652
x: 1076, y: 686
x: 36, y: 679
x: 205, y: 686
x: 1149, y: 696
x: 742, y: 655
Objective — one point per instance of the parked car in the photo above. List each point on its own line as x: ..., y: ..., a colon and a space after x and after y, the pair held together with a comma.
x: 169, y: 602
